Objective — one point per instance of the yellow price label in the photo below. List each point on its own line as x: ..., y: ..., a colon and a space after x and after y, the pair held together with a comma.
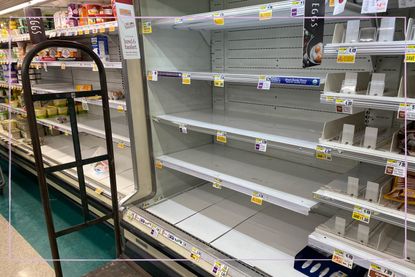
x: 86, y: 31
x: 331, y: 3
x: 217, y: 183
x: 218, y: 19
x: 323, y: 153
x: 257, y: 198
x: 80, y: 32
x: 159, y: 164
x: 147, y: 28
x: 121, y: 145
x: 102, y: 29
x: 120, y: 109
x: 99, y: 191
x: 219, y: 81
x: 346, y: 55
x: 111, y: 29
x: 186, y: 79
x: 221, y: 137
x: 195, y: 254
x: 265, y: 12
x: 361, y: 214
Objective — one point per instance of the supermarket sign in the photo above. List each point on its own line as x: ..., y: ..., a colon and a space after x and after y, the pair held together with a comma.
x: 127, y: 29
x: 35, y: 24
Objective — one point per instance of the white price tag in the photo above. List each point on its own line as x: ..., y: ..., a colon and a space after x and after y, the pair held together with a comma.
x: 361, y: 214
x: 323, y: 153
x: 342, y: 258
x: 408, y: 109
x: 85, y: 104
x: 153, y: 76
x: 264, y: 83
x: 261, y: 145
x: 297, y: 8
x: 380, y: 271
x: 344, y: 105
x: 155, y: 231
x: 183, y: 129
x: 395, y: 168
x: 374, y: 6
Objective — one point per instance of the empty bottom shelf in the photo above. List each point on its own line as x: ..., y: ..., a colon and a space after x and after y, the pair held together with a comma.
x: 266, y: 237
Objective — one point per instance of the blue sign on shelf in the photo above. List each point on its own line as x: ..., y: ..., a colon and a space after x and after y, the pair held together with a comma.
x: 300, y: 81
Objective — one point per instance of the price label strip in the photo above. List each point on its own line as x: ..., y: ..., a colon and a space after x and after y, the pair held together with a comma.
x: 344, y: 106
x: 257, y: 198
x: 221, y: 137
x: 323, y: 153
x: 261, y: 145
x: 395, y: 168
x: 297, y: 8
x: 219, y: 81
x: 379, y: 271
x: 186, y: 79
x: 264, y: 83
x: 183, y: 129
x: 346, y: 55
x: 361, y: 214
x: 342, y: 258
x: 153, y: 76
x: 217, y: 183
x: 410, y: 54
x: 265, y: 12
x: 408, y: 109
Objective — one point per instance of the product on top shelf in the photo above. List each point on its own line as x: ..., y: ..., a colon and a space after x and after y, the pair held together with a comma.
x: 115, y: 94
x: 410, y: 139
x: 73, y: 15
x: 100, y: 47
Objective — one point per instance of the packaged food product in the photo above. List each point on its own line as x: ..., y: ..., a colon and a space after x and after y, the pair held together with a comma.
x: 106, y: 13
x: 101, y: 167
x: 73, y: 15
x: 62, y: 110
x: 40, y: 113
x: 59, y: 102
x: 93, y: 12
x: 397, y: 192
x: 52, y: 111
x: 100, y: 47
x: 67, y: 54
x: 83, y: 15
x: 115, y: 94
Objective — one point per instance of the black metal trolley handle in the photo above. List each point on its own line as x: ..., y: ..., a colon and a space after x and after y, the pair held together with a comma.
x: 79, y: 162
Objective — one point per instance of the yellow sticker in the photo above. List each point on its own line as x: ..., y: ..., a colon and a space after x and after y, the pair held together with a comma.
x: 120, y: 109
x: 361, y: 214
x: 121, y: 145
x: 331, y: 3
x: 80, y: 32
x: 218, y: 19
x: 410, y: 54
x: 257, y: 198
x: 94, y: 67
x: 217, y: 183
x: 219, y: 81
x: 159, y: 164
x: 346, y: 55
x: 186, y: 79
x: 330, y: 99
x: 147, y: 28
x: 111, y: 28
x: 323, y: 153
x: 99, y: 190
x: 102, y: 29
x: 221, y: 137
x: 66, y: 133
x: 265, y: 12
x: 86, y: 31
x: 195, y: 254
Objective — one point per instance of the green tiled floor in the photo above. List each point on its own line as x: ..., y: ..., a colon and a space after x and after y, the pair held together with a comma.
x: 96, y: 242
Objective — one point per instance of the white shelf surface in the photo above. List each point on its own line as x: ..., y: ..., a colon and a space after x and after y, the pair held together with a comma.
x: 68, y: 32
x: 59, y: 149
x: 284, y: 80
x: 335, y: 193
x: 370, y: 48
x: 234, y: 18
x: 390, y: 103
x: 282, y: 183
x: 365, y: 255
x: 234, y: 225
x: 87, y: 123
x: 292, y: 130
